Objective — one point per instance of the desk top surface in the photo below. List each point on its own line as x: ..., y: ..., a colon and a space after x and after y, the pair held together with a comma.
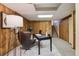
x: 41, y: 37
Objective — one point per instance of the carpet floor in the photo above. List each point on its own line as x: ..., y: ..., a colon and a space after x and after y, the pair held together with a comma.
x: 59, y: 48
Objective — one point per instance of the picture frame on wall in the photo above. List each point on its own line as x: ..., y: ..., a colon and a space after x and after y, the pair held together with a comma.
x: 10, y: 21
x: 3, y: 23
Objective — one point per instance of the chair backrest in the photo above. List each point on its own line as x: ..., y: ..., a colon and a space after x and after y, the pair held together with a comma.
x: 23, y: 36
x: 24, y: 39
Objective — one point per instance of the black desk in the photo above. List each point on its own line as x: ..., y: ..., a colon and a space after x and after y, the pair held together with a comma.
x: 43, y: 37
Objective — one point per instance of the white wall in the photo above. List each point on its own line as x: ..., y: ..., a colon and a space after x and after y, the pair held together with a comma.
x: 56, y: 24
x: 77, y: 29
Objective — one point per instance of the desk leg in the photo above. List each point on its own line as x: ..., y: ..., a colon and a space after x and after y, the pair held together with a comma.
x: 38, y: 47
x: 51, y: 44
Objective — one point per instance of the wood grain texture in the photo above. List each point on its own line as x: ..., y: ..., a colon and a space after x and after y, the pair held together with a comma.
x: 41, y: 25
x: 7, y: 36
x: 64, y: 30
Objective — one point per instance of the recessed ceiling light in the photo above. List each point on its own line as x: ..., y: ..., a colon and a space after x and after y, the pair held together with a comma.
x: 45, y: 16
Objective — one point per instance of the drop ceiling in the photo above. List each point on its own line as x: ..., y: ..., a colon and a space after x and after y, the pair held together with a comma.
x: 46, y: 7
x: 31, y: 10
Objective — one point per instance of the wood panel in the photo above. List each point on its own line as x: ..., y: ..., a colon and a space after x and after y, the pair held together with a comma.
x: 67, y: 29
x: 41, y: 25
x: 7, y: 36
x: 63, y: 30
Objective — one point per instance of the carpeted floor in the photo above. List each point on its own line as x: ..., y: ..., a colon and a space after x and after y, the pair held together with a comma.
x: 59, y: 48
x: 63, y: 47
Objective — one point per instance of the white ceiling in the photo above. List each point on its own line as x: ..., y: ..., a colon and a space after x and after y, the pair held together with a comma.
x: 30, y: 10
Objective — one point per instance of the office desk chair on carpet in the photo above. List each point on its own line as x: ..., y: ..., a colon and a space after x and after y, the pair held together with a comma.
x: 25, y: 40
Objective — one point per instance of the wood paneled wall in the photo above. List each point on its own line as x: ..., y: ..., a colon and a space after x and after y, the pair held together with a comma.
x: 41, y: 25
x: 67, y: 29
x: 64, y: 30
x: 7, y: 36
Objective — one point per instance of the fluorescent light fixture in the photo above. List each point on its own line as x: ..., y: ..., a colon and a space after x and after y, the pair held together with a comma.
x: 45, y: 16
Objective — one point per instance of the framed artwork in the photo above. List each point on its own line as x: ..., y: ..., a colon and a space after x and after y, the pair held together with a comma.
x: 10, y: 21
x: 3, y: 23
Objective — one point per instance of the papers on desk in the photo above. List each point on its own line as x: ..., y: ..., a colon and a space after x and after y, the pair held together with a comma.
x: 38, y: 34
